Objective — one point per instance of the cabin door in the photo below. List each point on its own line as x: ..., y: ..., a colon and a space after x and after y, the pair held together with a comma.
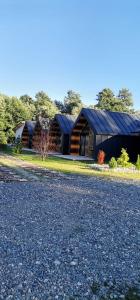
x: 82, y: 145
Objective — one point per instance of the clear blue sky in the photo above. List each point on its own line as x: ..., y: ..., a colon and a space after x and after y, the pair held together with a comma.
x: 56, y: 45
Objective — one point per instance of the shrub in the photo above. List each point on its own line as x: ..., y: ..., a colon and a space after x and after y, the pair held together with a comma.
x: 138, y: 162
x: 123, y: 160
x: 101, y: 157
x: 113, y: 163
x: 17, y: 149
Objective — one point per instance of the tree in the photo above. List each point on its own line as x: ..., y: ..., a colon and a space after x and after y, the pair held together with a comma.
x: 16, y: 112
x: 26, y: 99
x: 43, y: 140
x: 60, y: 106
x: 29, y: 104
x: 72, y: 103
x: 126, y: 100
x: 122, y: 103
x: 3, y: 138
x: 19, y: 111
x: 45, y: 107
x: 43, y: 144
x: 106, y: 100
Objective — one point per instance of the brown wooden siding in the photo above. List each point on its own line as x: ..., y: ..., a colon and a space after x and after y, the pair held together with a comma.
x: 25, y: 138
x: 82, y: 129
x: 55, y: 137
x: 36, y: 137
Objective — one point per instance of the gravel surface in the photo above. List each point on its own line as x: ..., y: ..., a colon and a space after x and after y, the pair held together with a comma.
x: 60, y: 236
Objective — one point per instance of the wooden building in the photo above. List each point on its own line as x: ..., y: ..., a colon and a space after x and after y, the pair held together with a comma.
x: 41, y: 125
x: 36, y: 135
x: 96, y: 130
x: 59, y: 133
x: 27, y: 133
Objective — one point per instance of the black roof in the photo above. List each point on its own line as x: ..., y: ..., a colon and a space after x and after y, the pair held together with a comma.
x: 108, y: 122
x: 30, y: 126
x: 65, y: 122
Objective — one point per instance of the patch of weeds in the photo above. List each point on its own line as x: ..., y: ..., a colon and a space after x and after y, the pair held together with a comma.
x: 132, y: 294
x: 78, y: 229
x: 95, y: 287
x: 112, y: 291
x: 75, y: 297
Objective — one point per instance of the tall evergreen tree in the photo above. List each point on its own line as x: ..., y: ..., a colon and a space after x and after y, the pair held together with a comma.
x: 108, y: 101
x: 126, y: 100
x: 60, y: 106
x: 72, y: 103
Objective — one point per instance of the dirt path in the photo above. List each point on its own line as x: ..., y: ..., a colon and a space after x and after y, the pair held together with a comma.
x: 12, y: 168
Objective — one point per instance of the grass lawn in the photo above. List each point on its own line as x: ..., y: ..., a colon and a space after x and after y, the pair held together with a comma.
x: 68, y: 166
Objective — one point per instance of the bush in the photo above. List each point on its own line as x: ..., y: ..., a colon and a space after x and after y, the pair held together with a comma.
x: 123, y: 160
x: 138, y: 162
x: 101, y: 157
x: 113, y: 163
x: 17, y: 149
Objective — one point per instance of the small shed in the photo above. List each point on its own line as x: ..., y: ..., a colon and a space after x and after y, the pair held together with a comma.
x: 59, y: 133
x: 96, y: 130
x: 27, y: 133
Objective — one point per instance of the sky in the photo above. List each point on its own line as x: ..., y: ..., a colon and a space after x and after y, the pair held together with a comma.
x: 58, y: 45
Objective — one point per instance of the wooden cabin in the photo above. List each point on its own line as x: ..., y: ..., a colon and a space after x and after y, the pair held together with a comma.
x: 59, y: 133
x: 96, y: 130
x: 27, y: 133
x: 41, y: 125
x: 36, y: 135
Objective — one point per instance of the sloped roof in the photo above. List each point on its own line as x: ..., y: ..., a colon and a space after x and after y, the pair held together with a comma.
x: 111, y: 123
x: 19, y: 125
x: 65, y: 122
x: 30, y: 126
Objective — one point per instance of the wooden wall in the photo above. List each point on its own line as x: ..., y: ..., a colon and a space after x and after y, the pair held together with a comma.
x: 36, y: 136
x: 55, y: 137
x: 25, y: 138
x: 82, y: 128
x: 75, y: 136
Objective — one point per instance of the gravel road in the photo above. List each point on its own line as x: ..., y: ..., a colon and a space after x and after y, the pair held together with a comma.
x: 60, y: 236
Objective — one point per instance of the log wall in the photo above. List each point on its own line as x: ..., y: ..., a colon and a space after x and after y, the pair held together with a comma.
x: 76, y: 138
x: 25, y: 138
x: 36, y: 136
x: 55, y: 137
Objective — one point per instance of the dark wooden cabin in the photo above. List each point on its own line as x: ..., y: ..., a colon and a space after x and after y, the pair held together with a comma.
x: 36, y: 135
x: 27, y: 133
x: 59, y: 133
x: 41, y: 125
x: 96, y: 130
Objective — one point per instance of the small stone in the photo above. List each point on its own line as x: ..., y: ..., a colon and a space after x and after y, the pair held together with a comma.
x: 20, y: 286
x: 73, y: 263
x: 57, y: 262
x: 37, y: 262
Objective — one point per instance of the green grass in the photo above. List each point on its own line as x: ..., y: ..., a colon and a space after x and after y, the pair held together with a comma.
x: 69, y: 166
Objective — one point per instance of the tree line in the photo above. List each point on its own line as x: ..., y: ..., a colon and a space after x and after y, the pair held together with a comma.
x: 14, y: 110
